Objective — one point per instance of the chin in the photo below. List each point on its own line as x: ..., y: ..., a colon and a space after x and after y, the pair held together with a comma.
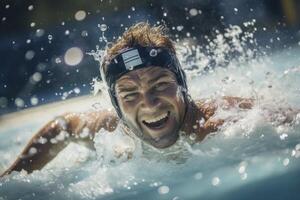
x: 165, y: 141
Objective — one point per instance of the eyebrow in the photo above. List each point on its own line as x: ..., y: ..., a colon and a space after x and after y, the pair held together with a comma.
x: 163, y: 75
x: 126, y: 89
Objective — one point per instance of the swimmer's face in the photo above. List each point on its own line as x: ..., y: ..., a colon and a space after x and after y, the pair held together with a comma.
x: 152, y: 104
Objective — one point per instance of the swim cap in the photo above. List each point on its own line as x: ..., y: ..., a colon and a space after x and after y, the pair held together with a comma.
x: 139, y: 57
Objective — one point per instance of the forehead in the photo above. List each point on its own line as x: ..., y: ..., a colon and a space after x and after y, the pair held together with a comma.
x: 144, y: 74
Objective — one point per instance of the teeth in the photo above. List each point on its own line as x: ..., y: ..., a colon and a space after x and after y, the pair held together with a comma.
x: 157, y: 118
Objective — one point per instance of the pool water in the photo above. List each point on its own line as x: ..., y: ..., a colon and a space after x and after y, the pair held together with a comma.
x: 253, y: 158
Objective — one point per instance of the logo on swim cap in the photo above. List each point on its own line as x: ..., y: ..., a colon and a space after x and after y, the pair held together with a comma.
x: 131, y: 59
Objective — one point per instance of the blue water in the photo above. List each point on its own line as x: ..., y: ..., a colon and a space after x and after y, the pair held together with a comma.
x: 253, y: 158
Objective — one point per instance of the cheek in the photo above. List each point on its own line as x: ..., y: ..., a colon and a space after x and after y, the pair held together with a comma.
x: 128, y: 109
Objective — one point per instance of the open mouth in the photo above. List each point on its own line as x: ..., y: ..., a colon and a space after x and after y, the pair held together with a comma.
x: 157, y: 122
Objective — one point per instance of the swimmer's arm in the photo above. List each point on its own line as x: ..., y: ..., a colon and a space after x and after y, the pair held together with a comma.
x: 57, y: 134
x: 243, y: 103
x: 209, y: 106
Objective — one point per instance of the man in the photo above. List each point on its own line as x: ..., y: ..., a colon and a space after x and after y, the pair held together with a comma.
x: 148, y: 90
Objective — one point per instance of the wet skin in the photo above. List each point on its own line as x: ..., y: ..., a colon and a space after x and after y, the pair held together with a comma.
x: 152, y: 105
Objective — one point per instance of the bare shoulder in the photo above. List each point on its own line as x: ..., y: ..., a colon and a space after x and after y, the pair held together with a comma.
x: 93, y: 120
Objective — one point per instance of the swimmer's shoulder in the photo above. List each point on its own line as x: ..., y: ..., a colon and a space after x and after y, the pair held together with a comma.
x: 93, y: 120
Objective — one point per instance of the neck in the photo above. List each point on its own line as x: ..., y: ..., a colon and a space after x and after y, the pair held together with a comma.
x: 191, y: 120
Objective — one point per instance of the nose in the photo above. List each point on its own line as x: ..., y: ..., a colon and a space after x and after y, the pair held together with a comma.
x: 149, y: 102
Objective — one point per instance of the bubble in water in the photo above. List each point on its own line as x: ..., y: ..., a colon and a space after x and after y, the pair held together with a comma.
x: 73, y: 56
x: 3, y: 19
x: 34, y: 100
x: 198, y: 176
x: 80, y: 15
x: 32, y: 24
x: 7, y: 6
x: 235, y: 9
x: 103, y: 27
x: 163, y: 189
x: 84, y: 34
x: 30, y: 7
x: 215, y: 181
x: 286, y: 161
x: 193, y: 12
x: 165, y: 14
x: 179, y: 28
x: 244, y: 176
x: 19, y: 102
x: 50, y: 37
x: 76, y: 90
x: 37, y: 76
x: 133, y: 8
x: 32, y: 151
x: 29, y: 55
x: 39, y: 32
x: 57, y: 60
x: 283, y: 136
x: 67, y: 32
x: 242, y: 169
x: 193, y: 136
x: 28, y: 41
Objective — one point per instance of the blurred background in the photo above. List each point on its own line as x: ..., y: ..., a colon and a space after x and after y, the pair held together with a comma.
x: 44, y: 44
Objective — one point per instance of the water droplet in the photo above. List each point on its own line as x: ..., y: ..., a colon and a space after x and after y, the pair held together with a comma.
x: 39, y: 32
x: 29, y: 54
x: 34, y: 100
x: 153, y: 53
x: 130, y: 67
x: 67, y: 32
x: 286, y: 161
x: 103, y: 27
x: 215, y: 181
x: 244, y: 176
x: 163, y: 189
x: 193, y: 12
x: 19, y: 102
x: 179, y: 28
x: 30, y: 7
x: 37, y: 76
x: 73, y: 56
x: 242, y: 169
x: 57, y: 60
x: 193, y: 136
x: 50, y: 37
x: 76, y: 90
x: 80, y: 15
x: 84, y: 34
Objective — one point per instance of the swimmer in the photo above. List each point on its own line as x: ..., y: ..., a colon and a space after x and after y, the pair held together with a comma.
x: 148, y: 90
